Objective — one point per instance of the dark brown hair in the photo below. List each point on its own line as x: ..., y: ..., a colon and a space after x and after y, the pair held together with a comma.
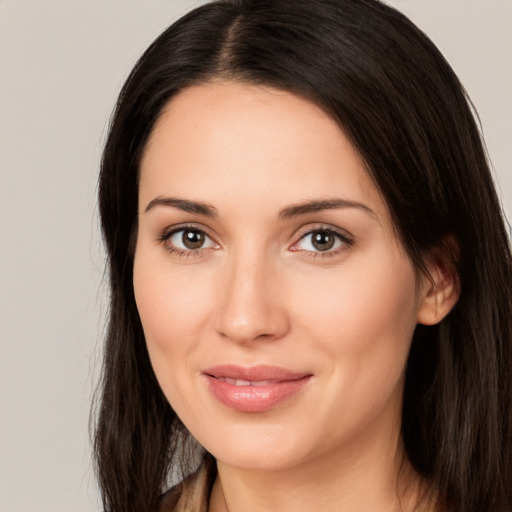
x: 406, y: 113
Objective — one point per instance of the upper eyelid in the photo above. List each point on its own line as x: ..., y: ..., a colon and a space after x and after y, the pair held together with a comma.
x: 307, y: 230
x: 170, y: 230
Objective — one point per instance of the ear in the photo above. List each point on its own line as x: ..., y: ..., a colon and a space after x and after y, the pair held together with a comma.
x: 440, y: 286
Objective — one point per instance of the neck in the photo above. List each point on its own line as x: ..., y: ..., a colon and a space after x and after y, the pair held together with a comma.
x: 361, y: 480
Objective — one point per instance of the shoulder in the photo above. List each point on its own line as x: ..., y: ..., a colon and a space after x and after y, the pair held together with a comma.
x: 192, y: 494
x: 170, y: 499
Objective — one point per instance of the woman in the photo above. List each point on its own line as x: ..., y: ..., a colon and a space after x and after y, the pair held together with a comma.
x: 310, y: 273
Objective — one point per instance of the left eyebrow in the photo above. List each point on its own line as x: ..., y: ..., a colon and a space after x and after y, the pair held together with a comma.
x: 317, y: 206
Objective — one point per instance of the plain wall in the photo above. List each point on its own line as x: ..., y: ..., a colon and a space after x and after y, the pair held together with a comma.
x: 62, y: 64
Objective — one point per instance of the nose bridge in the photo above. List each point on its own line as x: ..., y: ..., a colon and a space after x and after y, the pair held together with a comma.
x: 249, y: 307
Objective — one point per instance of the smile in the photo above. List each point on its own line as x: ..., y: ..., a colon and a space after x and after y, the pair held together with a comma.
x: 255, y: 389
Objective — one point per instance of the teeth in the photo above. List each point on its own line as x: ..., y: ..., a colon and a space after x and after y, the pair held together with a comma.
x: 241, y: 382
x: 261, y: 383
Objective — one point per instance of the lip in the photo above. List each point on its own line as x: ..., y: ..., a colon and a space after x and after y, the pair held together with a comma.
x: 254, y: 389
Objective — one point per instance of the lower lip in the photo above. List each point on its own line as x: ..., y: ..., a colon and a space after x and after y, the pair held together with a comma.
x: 255, y: 398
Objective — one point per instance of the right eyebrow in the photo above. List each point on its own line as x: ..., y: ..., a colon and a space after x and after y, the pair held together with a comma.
x: 186, y: 205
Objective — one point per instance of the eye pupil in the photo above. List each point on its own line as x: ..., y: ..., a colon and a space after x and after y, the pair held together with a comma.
x: 323, y: 240
x: 193, y: 239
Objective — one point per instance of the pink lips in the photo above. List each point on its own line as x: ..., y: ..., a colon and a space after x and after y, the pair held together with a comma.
x: 254, y: 389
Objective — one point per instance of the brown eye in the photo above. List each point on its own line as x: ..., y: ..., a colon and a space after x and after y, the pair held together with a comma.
x: 193, y: 239
x: 323, y: 240
x: 188, y: 240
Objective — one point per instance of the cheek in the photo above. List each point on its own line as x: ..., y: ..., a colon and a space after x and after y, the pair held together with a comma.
x: 173, y: 304
x: 363, y: 316
x: 361, y: 321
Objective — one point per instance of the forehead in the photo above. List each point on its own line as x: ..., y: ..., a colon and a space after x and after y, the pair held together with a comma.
x: 224, y: 140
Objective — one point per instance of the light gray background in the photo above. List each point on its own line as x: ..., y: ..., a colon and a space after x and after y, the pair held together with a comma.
x: 61, y: 66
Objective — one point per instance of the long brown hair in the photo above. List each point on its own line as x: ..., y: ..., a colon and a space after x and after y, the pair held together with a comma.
x: 406, y: 113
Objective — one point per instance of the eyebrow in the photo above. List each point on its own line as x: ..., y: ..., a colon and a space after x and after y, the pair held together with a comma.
x: 326, y: 204
x: 196, y: 207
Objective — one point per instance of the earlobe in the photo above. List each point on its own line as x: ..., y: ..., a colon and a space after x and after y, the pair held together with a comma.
x: 441, y: 286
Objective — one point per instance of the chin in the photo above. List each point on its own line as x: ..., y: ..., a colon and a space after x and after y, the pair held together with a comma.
x: 257, y: 460
x: 267, y: 448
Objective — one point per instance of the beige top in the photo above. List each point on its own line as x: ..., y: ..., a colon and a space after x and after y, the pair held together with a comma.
x: 193, y: 494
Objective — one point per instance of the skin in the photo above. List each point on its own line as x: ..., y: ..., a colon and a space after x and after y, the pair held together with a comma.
x: 259, y: 292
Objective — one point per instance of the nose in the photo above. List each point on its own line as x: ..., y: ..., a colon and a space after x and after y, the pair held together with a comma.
x: 252, y: 303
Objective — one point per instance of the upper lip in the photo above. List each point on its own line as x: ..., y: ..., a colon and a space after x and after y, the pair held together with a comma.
x: 254, y: 373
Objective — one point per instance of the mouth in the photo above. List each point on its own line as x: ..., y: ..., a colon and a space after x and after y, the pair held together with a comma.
x: 254, y: 389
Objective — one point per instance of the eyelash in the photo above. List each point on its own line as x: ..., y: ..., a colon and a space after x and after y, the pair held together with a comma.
x: 346, y: 242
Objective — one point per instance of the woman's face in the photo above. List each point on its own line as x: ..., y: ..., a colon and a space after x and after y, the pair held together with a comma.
x: 277, y: 304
